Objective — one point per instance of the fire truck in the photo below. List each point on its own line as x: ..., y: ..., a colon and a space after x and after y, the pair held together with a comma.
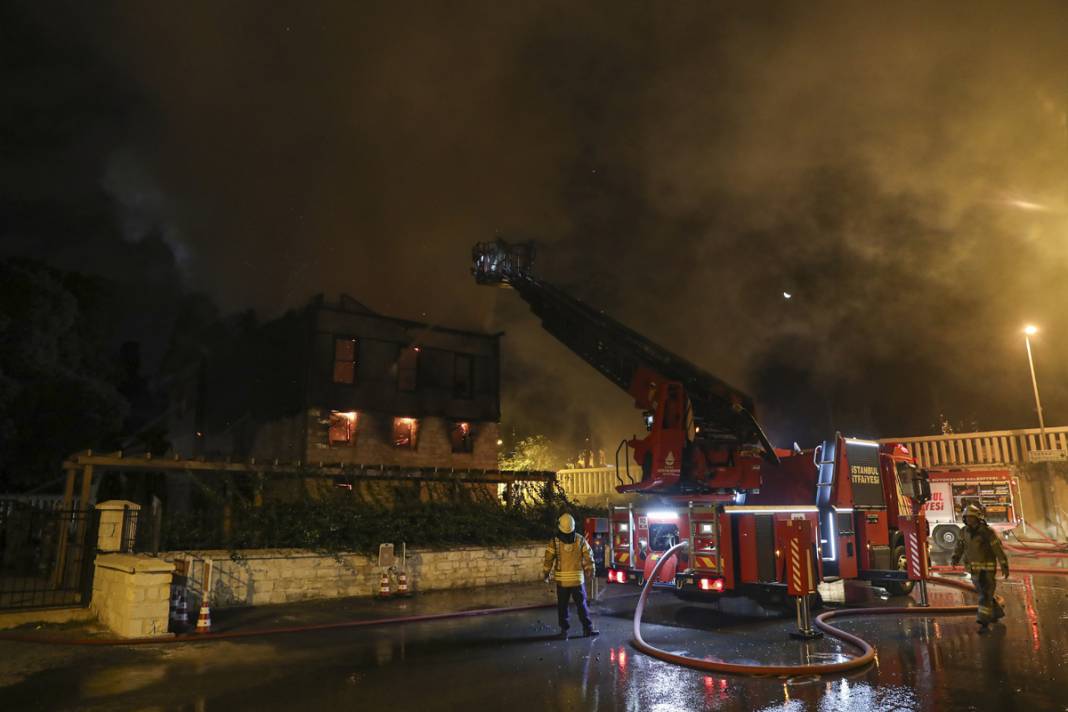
x: 710, y: 473
x: 953, y: 490
x: 852, y: 492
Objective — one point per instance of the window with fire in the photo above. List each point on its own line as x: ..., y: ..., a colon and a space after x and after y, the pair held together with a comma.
x: 461, y: 437
x: 342, y: 430
x: 405, y: 433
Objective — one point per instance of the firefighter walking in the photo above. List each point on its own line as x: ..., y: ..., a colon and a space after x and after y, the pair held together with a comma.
x: 569, y: 559
x: 982, y: 552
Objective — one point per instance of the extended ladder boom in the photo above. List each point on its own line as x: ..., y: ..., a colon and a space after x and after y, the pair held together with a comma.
x: 720, y: 412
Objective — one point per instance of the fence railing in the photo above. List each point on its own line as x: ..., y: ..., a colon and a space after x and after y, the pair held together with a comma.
x: 50, y: 502
x: 588, y: 482
x: 991, y: 448
x: 45, y: 555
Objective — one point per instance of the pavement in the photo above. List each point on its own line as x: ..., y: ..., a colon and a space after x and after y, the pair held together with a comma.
x: 509, y: 661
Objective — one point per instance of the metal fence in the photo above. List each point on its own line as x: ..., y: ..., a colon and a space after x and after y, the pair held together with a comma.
x: 46, y: 555
x: 141, y: 529
x: 990, y: 448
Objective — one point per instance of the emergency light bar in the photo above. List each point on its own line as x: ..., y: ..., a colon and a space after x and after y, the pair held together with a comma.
x: 663, y: 514
x: 769, y: 509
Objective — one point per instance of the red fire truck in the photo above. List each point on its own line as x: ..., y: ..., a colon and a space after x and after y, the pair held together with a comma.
x: 716, y: 479
x: 953, y: 490
x: 852, y: 492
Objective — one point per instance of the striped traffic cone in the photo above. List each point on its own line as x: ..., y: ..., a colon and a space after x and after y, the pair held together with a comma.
x: 175, y: 592
x: 383, y: 586
x: 204, y: 619
x: 181, y: 612
x: 402, y: 584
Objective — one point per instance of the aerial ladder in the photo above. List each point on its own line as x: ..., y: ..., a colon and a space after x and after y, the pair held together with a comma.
x: 702, y: 435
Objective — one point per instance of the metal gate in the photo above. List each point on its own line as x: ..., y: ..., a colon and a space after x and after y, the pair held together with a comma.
x: 46, y: 554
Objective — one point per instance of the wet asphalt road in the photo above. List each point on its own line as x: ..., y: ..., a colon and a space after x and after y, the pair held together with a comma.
x: 506, y: 662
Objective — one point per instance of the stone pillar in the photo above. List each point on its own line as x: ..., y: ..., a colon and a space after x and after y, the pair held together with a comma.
x: 113, y: 513
x: 131, y: 594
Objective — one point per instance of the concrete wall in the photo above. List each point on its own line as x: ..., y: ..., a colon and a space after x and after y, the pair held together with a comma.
x: 1044, y: 497
x: 131, y: 594
x: 257, y: 577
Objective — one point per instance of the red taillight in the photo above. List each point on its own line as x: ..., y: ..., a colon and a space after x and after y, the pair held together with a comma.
x: 707, y: 584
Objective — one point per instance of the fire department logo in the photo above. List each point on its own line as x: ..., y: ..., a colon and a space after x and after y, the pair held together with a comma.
x: 670, y: 459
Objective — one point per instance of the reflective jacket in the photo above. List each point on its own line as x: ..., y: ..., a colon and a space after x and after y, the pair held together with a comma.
x: 981, y: 549
x: 568, y: 560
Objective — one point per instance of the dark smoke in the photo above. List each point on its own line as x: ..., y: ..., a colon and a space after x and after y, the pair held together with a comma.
x: 683, y: 165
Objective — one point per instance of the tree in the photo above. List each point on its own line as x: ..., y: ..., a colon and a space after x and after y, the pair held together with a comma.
x: 57, y: 392
x: 534, y: 453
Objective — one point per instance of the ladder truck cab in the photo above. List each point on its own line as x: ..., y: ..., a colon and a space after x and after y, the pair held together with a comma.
x: 860, y: 490
x: 716, y: 480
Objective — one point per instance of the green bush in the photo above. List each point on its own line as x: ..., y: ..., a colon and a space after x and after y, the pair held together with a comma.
x: 343, y: 523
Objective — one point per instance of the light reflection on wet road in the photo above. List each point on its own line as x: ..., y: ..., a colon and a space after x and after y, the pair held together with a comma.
x: 507, y: 662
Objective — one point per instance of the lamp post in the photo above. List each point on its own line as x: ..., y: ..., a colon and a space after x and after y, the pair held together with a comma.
x: 1029, y: 331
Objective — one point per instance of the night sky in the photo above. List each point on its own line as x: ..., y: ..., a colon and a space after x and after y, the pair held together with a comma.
x: 900, y: 171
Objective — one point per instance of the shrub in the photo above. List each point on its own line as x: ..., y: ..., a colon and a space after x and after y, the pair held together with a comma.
x: 340, y: 522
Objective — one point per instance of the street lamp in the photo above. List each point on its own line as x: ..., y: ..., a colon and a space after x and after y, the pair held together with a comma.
x: 1029, y: 331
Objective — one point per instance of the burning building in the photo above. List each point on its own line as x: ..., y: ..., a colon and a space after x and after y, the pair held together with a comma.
x: 335, y: 382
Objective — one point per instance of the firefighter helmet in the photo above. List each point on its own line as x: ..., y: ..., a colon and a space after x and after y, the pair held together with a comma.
x: 567, y: 523
x: 973, y: 510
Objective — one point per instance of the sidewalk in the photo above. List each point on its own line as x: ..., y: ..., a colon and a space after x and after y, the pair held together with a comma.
x: 324, y: 612
x: 337, y: 610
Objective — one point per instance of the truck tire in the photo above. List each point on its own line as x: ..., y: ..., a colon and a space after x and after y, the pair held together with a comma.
x: 946, y: 536
x: 900, y: 588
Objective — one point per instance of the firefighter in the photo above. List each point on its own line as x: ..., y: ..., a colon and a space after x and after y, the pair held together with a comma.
x: 569, y: 558
x: 982, y: 552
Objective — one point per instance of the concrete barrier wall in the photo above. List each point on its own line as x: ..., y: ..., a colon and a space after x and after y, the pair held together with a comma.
x: 263, y: 576
x: 131, y: 594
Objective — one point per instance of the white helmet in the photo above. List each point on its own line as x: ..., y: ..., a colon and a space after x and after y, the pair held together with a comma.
x: 566, y: 523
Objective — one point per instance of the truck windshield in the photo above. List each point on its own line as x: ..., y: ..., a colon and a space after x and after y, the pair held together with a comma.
x: 905, y: 475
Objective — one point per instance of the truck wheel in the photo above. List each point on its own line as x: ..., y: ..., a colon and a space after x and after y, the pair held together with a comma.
x: 946, y: 536
x: 900, y: 588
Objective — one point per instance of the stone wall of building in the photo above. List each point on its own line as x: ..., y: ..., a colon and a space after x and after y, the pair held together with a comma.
x: 263, y: 576
x: 131, y: 594
x: 373, y: 443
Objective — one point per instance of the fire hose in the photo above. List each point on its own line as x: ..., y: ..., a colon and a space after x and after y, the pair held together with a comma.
x: 226, y: 635
x: 867, y: 652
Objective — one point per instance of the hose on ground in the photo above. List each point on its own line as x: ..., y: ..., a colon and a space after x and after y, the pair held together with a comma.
x: 867, y: 652
x: 226, y: 635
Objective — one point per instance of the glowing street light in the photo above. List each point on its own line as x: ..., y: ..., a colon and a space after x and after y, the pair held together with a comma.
x: 1029, y: 331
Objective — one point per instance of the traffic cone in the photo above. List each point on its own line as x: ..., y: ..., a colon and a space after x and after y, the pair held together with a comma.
x: 383, y: 587
x: 402, y: 584
x: 204, y: 619
x: 175, y: 592
x: 181, y: 612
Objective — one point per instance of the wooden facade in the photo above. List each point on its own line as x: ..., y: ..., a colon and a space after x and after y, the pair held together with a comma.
x: 414, y: 395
